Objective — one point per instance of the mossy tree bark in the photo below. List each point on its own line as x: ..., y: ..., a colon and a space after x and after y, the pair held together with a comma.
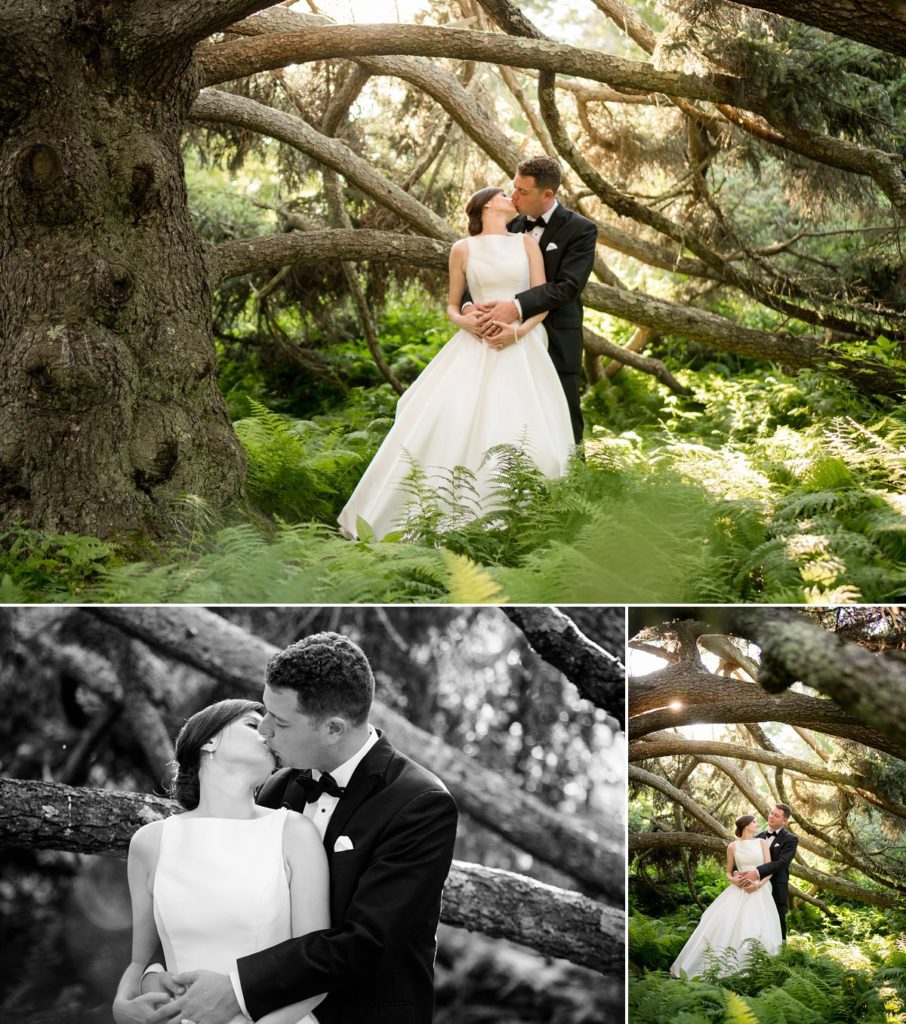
x: 109, y: 406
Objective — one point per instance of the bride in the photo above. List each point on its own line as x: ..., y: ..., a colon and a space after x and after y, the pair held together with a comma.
x: 226, y: 877
x: 738, y: 917
x: 476, y: 393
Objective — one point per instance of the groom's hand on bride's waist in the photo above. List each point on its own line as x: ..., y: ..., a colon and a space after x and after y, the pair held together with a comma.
x: 209, y: 999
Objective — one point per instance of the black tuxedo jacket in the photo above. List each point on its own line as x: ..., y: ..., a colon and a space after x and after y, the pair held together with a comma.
x: 376, y: 960
x: 783, y: 849
x: 568, y: 248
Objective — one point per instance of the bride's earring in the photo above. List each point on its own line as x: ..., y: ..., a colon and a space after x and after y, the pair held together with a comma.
x: 209, y: 748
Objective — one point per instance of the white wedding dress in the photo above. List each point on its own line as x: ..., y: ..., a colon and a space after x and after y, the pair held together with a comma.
x: 220, y: 892
x: 734, y: 919
x: 468, y: 399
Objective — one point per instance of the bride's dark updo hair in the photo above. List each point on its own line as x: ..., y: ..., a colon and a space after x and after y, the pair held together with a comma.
x: 477, y: 203
x: 743, y: 822
x: 200, y: 728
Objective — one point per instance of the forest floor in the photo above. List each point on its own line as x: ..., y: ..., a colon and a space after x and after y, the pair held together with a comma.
x: 758, y: 487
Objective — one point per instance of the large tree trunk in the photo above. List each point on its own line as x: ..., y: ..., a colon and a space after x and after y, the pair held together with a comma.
x: 553, y: 921
x: 109, y: 401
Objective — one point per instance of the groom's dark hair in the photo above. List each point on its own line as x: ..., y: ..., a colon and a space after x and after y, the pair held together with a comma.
x: 330, y: 675
x: 544, y: 169
x: 787, y: 810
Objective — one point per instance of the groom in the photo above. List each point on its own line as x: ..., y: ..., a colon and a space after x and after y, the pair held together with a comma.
x: 388, y: 827
x: 783, y: 848
x: 567, y: 241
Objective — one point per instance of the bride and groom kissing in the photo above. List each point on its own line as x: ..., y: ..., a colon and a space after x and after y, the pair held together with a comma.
x: 511, y: 373
x: 316, y: 902
x: 753, y: 906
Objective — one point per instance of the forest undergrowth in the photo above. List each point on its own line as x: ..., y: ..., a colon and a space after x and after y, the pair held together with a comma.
x: 758, y: 487
x: 845, y: 967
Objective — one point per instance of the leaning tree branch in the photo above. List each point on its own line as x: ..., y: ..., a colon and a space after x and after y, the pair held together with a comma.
x: 790, y: 350
x: 208, y: 642
x: 225, y: 108
x: 230, y: 60
x: 444, y: 88
x: 552, y: 921
x: 247, y: 255
x: 629, y: 356
x: 793, y: 649
x: 793, y: 351
x: 879, y: 23
x: 596, y: 674
x: 685, y: 694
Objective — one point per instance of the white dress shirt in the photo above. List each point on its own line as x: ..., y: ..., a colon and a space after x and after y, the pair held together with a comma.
x: 536, y: 233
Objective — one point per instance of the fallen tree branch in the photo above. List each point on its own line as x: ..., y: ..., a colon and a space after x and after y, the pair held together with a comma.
x: 553, y: 921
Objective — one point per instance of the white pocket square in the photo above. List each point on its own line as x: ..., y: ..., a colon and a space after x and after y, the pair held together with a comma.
x: 342, y: 844
x: 550, y: 247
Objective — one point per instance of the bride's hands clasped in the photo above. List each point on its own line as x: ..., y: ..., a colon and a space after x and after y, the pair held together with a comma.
x: 508, y: 335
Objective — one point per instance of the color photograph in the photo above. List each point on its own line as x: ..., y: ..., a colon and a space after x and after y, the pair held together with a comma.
x: 767, y: 759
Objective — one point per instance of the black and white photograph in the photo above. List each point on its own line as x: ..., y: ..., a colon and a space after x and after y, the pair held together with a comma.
x: 336, y: 815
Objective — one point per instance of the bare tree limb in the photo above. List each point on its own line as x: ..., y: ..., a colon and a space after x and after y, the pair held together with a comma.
x: 879, y: 23
x: 553, y: 921
x: 596, y: 674
x: 227, y: 61
x: 225, y: 108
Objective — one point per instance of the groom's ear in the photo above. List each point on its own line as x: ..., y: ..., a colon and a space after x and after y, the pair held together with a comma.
x: 337, y: 728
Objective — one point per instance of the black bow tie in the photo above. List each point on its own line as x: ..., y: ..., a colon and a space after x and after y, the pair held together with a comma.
x: 315, y: 787
x: 530, y: 224
x: 774, y: 834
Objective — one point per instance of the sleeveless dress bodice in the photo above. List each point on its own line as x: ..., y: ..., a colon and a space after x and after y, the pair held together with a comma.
x: 220, y: 891
x: 748, y: 855
x: 497, y: 267
x: 470, y: 398
x: 732, y: 923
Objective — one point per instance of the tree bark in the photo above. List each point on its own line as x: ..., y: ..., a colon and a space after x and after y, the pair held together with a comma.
x: 880, y: 23
x: 109, y: 407
x: 210, y: 643
x: 552, y: 921
x: 793, y: 649
x: 684, y: 694
x: 596, y: 674
x: 227, y: 61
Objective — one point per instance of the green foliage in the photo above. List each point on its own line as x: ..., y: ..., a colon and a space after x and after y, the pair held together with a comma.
x: 832, y: 970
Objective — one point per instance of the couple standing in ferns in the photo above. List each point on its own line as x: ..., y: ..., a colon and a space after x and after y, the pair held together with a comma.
x: 752, y: 909
x: 505, y: 378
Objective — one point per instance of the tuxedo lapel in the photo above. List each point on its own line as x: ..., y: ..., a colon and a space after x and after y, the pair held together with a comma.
x: 365, y: 779
x: 557, y: 220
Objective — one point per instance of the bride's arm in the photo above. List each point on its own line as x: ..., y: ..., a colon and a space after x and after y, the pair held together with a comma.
x: 467, y: 321
x: 731, y: 862
x: 306, y: 864
x: 130, y: 1006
